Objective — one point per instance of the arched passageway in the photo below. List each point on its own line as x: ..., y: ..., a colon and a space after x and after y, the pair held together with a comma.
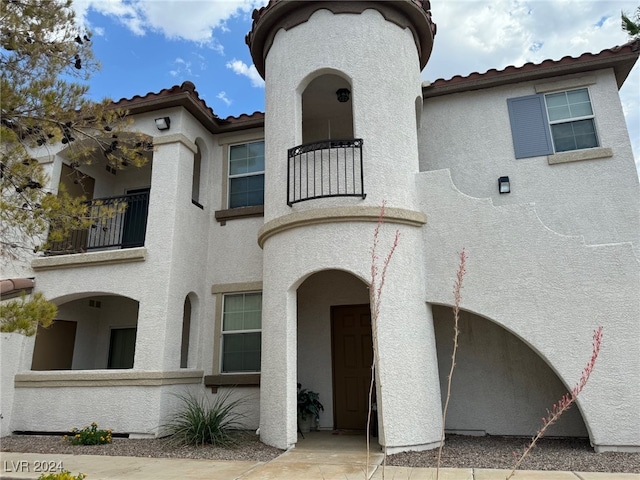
x: 500, y: 385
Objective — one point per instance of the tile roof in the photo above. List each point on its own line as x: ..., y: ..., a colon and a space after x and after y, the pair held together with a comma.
x: 187, y: 96
x: 621, y: 58
x: 13, y: 287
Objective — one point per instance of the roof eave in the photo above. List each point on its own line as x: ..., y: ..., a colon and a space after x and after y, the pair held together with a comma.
x: 622, y: 63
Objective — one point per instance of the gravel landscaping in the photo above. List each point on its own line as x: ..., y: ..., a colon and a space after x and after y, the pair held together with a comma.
x: 575, y: 455
x: 460, y: 452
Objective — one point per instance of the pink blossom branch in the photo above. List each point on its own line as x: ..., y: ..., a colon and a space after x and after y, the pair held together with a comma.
x: 567, y: 399
x: 457, y: 297
x: 375, y: 296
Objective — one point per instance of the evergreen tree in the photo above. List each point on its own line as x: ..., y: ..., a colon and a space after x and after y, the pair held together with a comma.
x: 44, y: 58
x: 44, y: 55
x: 632, y: 25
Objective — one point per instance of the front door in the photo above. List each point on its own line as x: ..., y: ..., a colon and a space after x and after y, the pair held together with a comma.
x: 352, y: 358
x: 135, y: 218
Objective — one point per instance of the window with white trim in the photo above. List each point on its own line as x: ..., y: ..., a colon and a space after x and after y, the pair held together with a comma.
x: 544, y: 124
x: 246, y: 174
x: 241, y: 332
x: 571, y: 120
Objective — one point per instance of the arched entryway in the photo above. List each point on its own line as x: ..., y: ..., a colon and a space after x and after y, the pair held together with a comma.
x: 334, y: 346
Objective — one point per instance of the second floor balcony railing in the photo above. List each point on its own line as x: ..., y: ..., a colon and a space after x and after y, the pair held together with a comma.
x: 329, y: 168
x: 119, y: 222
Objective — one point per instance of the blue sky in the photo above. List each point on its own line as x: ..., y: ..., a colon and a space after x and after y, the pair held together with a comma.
x: 147, y: 45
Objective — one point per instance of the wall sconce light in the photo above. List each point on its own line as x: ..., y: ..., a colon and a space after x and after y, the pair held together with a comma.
x: 343, y: 94
x: 504, y: 185
x: 163, y: 123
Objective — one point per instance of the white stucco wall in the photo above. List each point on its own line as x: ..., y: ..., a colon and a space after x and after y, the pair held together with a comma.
x: 15, y: 350
x: 469, y: 133
x: 550, y: 290
x: 137, y: 410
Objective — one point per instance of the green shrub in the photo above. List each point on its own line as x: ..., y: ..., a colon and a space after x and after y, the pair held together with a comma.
x: 200, y: 422
x: 89, y: 436
x: 64, y: 475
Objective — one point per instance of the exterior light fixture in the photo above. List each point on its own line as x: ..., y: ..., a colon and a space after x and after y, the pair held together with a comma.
x: 504, y: 185
x: 343, y: 94
x: 163, y: 123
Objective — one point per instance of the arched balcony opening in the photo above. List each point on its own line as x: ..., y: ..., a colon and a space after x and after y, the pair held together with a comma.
x: 329, y: 161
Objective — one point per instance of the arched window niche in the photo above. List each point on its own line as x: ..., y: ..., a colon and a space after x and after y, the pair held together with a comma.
x: 326, y: 115
x: 328, y: 163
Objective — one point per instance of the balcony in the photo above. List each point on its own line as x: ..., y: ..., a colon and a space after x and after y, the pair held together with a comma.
x: 119, y: 222
x: 329, y: 168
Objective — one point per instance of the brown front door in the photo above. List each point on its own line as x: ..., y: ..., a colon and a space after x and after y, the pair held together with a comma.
x: 352, y: 358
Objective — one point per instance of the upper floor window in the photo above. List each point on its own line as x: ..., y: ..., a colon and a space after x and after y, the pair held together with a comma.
x: 241, y: 332
x: 552, y: 123
x: 246, y: 174
x: 571, y: 120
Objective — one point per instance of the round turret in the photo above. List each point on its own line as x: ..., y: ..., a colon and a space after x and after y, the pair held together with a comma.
x: 412, y: 14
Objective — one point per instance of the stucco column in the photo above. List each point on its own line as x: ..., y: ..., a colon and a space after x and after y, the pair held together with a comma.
x: 170, y: 177
x: 278, y: 408
x: 408, y: 387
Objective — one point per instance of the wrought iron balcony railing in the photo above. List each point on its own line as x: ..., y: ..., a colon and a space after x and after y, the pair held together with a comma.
x: 119, y: 222
x: 330, y: 168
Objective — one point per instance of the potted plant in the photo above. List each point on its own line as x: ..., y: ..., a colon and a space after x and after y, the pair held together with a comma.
x: 309, y: 408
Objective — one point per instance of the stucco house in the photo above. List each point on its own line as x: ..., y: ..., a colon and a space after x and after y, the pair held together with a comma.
x: 243, y: 257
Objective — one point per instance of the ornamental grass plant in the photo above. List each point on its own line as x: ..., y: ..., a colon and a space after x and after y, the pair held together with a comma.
x: 202, y: 422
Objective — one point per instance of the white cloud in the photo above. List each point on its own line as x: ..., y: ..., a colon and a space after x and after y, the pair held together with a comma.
x: 223, y: 96
x: 192, y: 20
x: 241, y: 68
x: 181, y: 68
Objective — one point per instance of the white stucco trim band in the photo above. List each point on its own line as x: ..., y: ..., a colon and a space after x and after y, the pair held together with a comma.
x: 90, y: 259
x: 175, y: 138
x: 236, y: 287
x: 110, y: 378
x: 579, y: 155
x: 340, y: 214
x: 617, y: 448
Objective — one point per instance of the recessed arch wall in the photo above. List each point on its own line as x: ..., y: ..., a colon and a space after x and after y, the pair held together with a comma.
x: 200, y: 172
x: 190, y: 326
x: 501, y: 385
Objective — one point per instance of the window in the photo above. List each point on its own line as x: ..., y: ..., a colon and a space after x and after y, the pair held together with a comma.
x: 555, y: 122
x: 571, y: 120
x: 241, y: 332
x: 246, y: 175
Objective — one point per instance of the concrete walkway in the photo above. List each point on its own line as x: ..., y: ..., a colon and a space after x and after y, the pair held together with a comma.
x: 318, y: 457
